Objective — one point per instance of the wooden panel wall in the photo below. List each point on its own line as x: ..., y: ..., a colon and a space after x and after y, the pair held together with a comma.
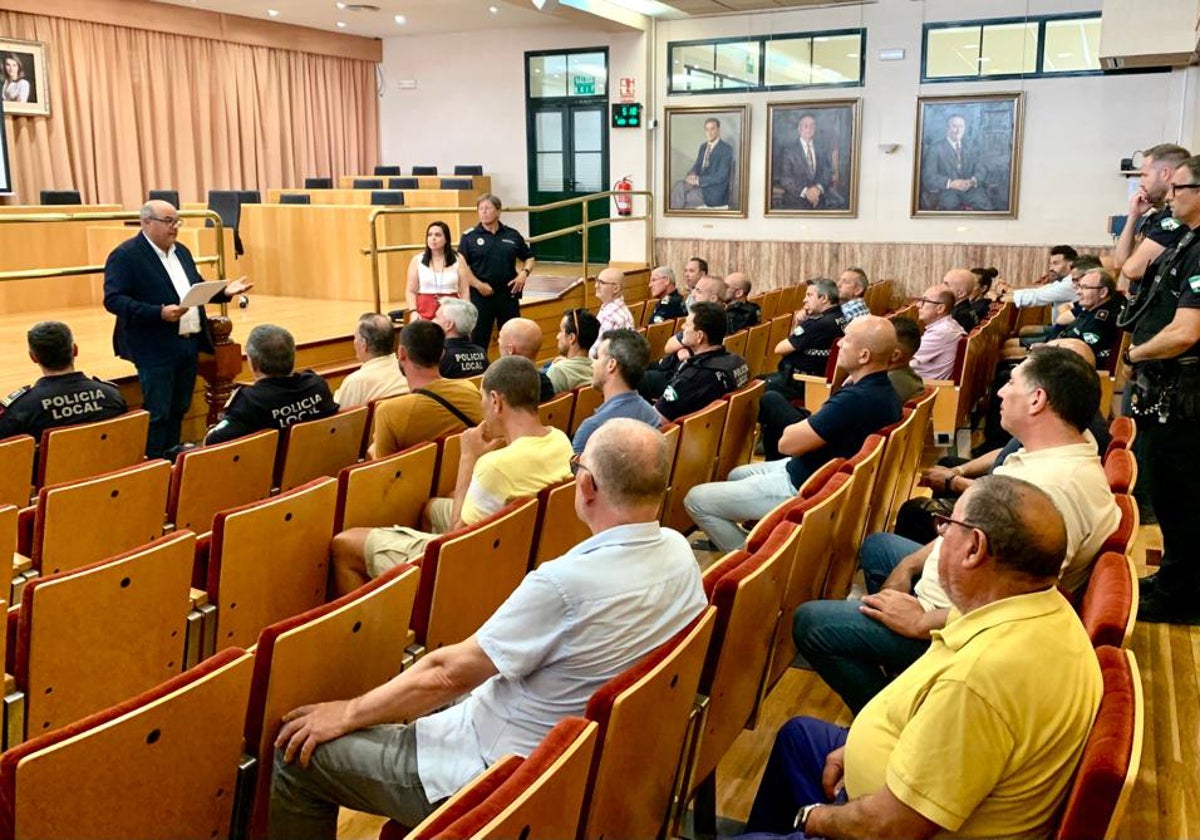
x: 913, y: 266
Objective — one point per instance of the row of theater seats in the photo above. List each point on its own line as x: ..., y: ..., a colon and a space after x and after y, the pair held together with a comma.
x: 466, y: 170
x: 614, y: 776
x: 410, y: 184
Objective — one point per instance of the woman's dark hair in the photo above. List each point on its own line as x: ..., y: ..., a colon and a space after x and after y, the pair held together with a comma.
x: 427, y: 257
x: 986, y: 276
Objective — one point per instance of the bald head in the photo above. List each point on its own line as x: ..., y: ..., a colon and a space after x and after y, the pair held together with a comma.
x: 737, y: 286
x: 611, y: 275
x: 867, y: 346
x: 937, y: 302
x: 520, y: 337
x: 1026, y: 535
x: 161, y: 233
x: 709, y: 290
x: 960, y: 281
x: 628, y: 461
x: 1077, y: 346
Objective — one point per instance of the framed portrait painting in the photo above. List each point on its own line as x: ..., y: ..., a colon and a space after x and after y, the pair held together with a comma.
x: 812, y: 158
x: 968, y: 153
x: 24, y: 86
x: 706, y: 152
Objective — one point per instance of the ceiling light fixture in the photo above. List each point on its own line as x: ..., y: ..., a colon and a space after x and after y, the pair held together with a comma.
x: 273, y: 12
x: 400, y: 19
x: 341, y: 5
x: 493, y: 10
x: 341, y: 24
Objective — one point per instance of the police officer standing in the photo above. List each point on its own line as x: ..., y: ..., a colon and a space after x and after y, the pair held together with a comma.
x: 492, y: 249
x: 279, y: 397
x: 63, y: 396
x: 1165, y: 354
x: 709, y: 372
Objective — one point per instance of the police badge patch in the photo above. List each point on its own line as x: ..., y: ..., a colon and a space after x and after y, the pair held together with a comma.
x: 1194, y: 284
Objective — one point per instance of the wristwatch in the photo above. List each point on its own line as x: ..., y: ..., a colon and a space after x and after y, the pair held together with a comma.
x: 801, y: 822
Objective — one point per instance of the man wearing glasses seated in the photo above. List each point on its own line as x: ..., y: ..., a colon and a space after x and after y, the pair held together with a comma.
x: 858, y: 646
x: 145, y: 278
x: 939, y: 342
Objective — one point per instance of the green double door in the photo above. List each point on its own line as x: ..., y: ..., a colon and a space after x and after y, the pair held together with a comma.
x: 568, y: 158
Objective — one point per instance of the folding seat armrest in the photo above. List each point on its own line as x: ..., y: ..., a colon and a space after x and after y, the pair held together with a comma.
x: 13, y: 731
x: 25, y: 520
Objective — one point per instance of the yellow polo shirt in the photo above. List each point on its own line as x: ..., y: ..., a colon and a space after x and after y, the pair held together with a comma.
x: 982, y: 734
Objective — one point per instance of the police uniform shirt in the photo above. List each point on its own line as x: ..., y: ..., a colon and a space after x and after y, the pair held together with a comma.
x: 53, y: 401
x: 275, y: 402
x: 493, y: 256
x: 741, y: 315
x: 1180, y: 289
x: 812, y: 340
x: 462, y: 359
x: 701, y: 379
x: 1162, y: 227
x: 668, y: 308
x: 1097, y: 328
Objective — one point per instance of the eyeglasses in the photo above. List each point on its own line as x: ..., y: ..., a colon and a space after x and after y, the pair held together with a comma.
x: 173, y: 221
x: 600, y: 282
x: 1177, y: 187
x: 930, y: 302
x: 942, y: 523
x: 577, y: 465
x: 1081, y: 286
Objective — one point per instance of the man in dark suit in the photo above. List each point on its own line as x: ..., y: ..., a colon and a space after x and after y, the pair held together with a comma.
x: 145, y: 278
x: 806, y: 172
x: 952, y: 176
x: 707, y: 182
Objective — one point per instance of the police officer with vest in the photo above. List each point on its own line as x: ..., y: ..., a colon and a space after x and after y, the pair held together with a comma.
x: 63, y: 396
x: 709, y: 372
x: 279, y: 397
x: 492, y: 249
x: 1164, y: 317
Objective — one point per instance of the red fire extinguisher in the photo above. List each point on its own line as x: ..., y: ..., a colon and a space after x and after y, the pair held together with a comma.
x: 624, y: 202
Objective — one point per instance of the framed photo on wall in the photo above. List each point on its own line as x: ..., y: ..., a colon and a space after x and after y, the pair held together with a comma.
x: 812, y: 158
x: 24, y: 85
x: 706, y: 152
x: 968, y: 154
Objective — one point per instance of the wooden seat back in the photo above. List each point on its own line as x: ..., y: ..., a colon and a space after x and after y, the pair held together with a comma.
x: 270, y: 560
x: 756, y: 347
x: 16, y: 470
x: 1123, y: 431
x: 863, y: 470
x: 1121, y: 470
x: 736, y: 442
x: 1108, y: 769
x: 81, y: 522
x: 792, y: 295
x: 163, y: 764
x: 390, y: 491
x: 890, y: 469
x: 70, y: 453
x: 135, y: 606
x: 8, y: 547
x: 643, y: 715
x: 214, y: 478
x: 918, y: 437
x: 460, y: 803
x: 557, y: 412
x: 467, y: 574
x: 770, y: 303
x: 699, y: 438
x: 781, y: 326
x: 657, y: 336
x: 320, y: 447
x: 637, y: 310
x: 587, y: 400
x: 1121, y: 540
x: 1110, y: 600
x: 337, y: 650
x: 448, y: 457
x: 736, y: 343
x: 558, y: 529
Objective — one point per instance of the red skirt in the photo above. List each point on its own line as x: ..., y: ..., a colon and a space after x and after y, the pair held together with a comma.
x: 427, y: 304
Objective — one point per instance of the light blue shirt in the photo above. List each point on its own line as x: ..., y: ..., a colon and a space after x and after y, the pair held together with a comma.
x: 629, y: 404
x: 1059, y: 291
x: 573, y: 624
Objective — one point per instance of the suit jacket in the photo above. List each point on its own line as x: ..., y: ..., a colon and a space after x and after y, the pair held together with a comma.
x: 796, y: 176
x: 714, y: 179
x: 941, y: 165
x: 136, y: 287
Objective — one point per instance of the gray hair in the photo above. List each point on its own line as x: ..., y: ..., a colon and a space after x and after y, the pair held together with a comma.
x: 1025, y: 531
x: 628, y: 460
x: 377, y: 333
x: 630, y: 350
x: 461, y: 313
x: 665, y: 271
x: 271, y: 350
x: 826, y: 288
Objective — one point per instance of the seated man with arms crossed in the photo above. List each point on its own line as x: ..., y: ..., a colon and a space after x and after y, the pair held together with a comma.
x: 510, y: 454
x: 1048, y: 404
x: 570, y: 626
x: 379, y: 376
x: 864, y: 405
x: 807, y: 349
x: 981, y: 735
x: 618, y: 369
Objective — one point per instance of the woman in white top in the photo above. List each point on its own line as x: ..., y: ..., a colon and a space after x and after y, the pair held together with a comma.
x: 16, y: 86
x: 436, y: 273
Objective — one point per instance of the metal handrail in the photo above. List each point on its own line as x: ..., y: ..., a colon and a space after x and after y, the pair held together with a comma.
x: 123, y: 215
x: 374, y: 250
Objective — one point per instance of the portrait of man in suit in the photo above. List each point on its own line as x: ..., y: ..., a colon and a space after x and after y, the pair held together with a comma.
x: 967, y: 156
x: 812, y: 159
x: 704, y: 178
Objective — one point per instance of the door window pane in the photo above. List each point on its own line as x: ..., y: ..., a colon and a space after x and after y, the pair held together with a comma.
x: 1071, y: 45
x: 588, y: 131
x: 548, y: 131
x: 835, y: 59
x: 789, y: 61
x: 547, y: 76
x: 588, y: 171
x: 550, y: 172
x: 1009, y: 49
x: 588, y: 73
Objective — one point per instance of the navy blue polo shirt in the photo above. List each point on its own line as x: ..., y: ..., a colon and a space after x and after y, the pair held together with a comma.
x: 855, y: 411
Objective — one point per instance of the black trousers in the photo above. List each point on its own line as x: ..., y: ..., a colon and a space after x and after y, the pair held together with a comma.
x: 1170, y: 452
x: 775, y: 414
x: 493, y: 312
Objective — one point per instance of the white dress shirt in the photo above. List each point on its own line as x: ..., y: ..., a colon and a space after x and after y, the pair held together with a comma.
x: 189, y: 324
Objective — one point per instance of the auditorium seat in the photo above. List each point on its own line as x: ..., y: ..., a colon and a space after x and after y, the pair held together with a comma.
x: 558, y: 528
x: 318, y: 183
x: 643, y: 713
x: 163, y: 764
x: 1108, y: 769
x: 73, y: 452
x: 295, y: 198
x: 468, y: 169
x: 888, y: 479
x: 320, y: 447
x: 736, y: 343
x: 135, y: 605
x: 337, y: 650
x: 587, y: 400
x: 387, y: 197
x: 1121, y: 470
x: 368, y: 183
x: 403, y: 184
x: 16, y: 470
x: 227, y: 205
x: 737, y: 438
x: 1108, y: 608
x: 467, y: 574
x: 249, y: 197
x: 424, y: 170
x: 556, y: 412
x: 269, y: 560
x: 387, y: 170
x: 54, y: 197
x: 1121, y: 540
x: 657, y: 336
x: 457, y: 184
x: 919, y: 435
x: 78, y: 523
x: 449, y: 450
x: 457, y: 805
x: 756, y: 348
x: 770, y: 305
x: 169, y: 196
x: 387, y: 491
x: 699, y: 437
x: 214, y: 478
x: 863, y: 470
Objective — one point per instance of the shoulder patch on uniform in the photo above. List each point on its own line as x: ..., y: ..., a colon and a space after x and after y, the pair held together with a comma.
x: 798, y: 331
x: 669, y: 395
x: 1194, y: 283
x: 7, y: 401
x: 1101, y: 314
x: 1090, y: 337
x: 1170, y: 223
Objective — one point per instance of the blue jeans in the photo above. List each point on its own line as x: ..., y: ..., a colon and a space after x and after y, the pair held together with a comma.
x: 793, y: 775
x: 854, y: 654
x: 751, y: 492
x: 167, y: 388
